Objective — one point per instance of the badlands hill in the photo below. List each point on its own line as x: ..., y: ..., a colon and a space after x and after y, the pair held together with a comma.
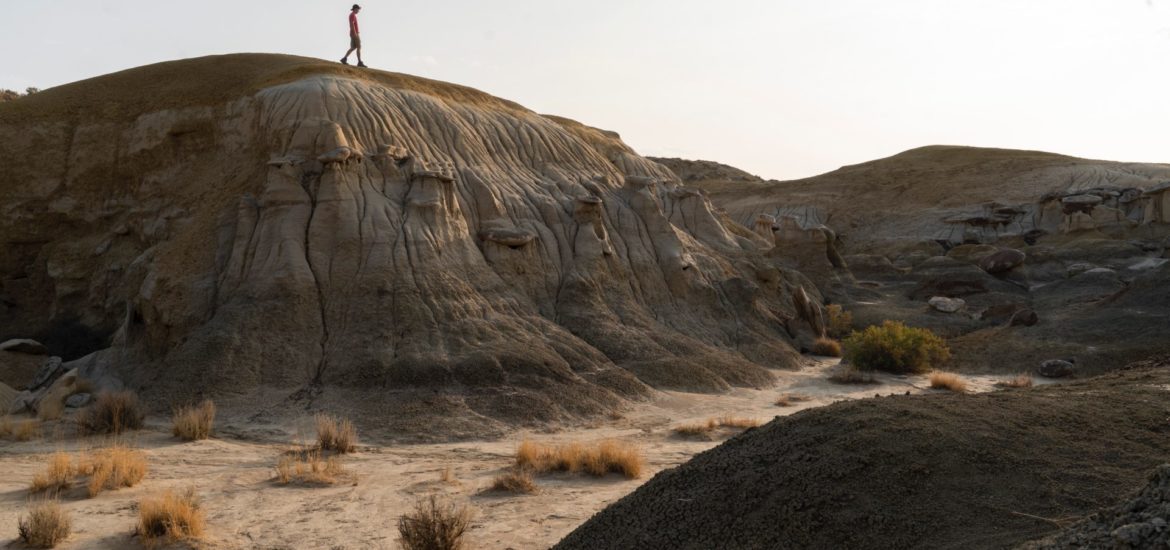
x: 421, y: 255
x: 1032, y: 256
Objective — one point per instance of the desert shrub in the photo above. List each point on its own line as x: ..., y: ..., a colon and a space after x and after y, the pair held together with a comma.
x: 790, y: 399
x: 598, y: 460
x: 827, y: 347
x: 896, y: 348
x: 309, y: 467
x: 334, y: 434
x: 848, y: 374
x: 46, y: 526
x: 194, y: 422
x: 838, y: 322
x: 57, y: 476
x: 948, y: 381
x: 112, y: 468
x: 170, y: 517
x: 1019, y: 381
x: 514, y: 481
x: 112, y: 413
x: 434, y: 525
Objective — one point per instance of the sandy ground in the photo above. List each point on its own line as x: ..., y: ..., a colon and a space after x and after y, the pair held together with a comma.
x: 246, y: 509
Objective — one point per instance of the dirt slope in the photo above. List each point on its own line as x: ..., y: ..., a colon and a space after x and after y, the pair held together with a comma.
x: 257, y: 225
x: 939, y: 471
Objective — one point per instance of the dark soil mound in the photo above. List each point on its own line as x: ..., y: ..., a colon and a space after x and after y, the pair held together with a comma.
x: 1141, y: 522
x: 936, y: 471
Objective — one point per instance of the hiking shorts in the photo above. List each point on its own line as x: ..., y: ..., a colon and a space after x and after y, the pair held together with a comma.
x: 355, y: 41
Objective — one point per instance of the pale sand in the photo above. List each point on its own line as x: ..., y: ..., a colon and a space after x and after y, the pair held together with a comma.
x: 246, y: 509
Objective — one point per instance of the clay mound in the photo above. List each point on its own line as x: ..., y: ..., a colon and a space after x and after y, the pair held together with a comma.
x: 937, y: 471
x: 1143, y: 521
x: 402, y: 247
x: 950, y: 194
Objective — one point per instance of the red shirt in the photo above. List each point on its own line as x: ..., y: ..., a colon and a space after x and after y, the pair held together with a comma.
x: 353, y: 26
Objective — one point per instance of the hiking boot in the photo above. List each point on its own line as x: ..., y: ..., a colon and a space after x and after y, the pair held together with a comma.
x: 360, y: 64
x: 345, y: 61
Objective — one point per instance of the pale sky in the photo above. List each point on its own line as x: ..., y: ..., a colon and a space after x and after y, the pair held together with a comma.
x: 780, y: 88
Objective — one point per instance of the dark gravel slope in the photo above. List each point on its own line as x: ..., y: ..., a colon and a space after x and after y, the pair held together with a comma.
x: 937, y: 471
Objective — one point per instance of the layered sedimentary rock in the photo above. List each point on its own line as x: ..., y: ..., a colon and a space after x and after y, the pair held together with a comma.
x: 302, y: 225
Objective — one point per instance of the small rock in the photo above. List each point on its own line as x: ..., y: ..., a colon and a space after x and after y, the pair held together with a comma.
x: 1002, y: 261
x: 47, y: 374
x: 22, y: 403
x: 1134, y: 534
x: 1024, y: 318
x: 947, y: 305
x: 78, y: 400
x: 24, y: 345
x: 1057, y: 368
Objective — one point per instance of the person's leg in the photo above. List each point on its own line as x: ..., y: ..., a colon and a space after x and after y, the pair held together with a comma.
x: 359, y: 53
x: 347, y: 52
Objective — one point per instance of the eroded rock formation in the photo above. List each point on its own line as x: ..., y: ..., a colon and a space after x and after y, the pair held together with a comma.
x: 381, y: 240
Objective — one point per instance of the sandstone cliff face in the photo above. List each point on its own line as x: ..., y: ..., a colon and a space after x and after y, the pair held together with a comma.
x: 379, y: 240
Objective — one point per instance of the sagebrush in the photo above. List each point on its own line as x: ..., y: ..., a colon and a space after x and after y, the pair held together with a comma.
x: 170, y: 517
x: 46, y: 526
x: 896, y: 348
x: 112, y: 413
x: 335, y: 434
x: 196, y: 422
x: 434, y: 525
x: 839, y: 323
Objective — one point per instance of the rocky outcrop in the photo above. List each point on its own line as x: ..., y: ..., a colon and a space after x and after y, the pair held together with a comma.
x: 383, y: 239
x: 1140, y: 522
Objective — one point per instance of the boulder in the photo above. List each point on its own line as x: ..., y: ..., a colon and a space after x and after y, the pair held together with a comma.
x: 947, y: 305
x: 48, y: 372
x: 971, y: 253
x: 78, y: 400
x: 22, y: 403
x: 1058, y: 368
x: 53, y: 398
x: 1024, y: 318
x: 18, y: 369
x: 7, y: 394
x: 1002, y: 261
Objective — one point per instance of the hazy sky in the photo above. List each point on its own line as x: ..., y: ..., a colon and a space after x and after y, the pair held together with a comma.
x: 781, y: 88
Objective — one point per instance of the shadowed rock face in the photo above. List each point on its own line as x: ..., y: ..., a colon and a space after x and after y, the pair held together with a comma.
x: 366, y: 236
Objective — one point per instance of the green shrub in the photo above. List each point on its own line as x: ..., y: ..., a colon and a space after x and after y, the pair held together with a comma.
x: 839, y: 322
x: 897, y: 348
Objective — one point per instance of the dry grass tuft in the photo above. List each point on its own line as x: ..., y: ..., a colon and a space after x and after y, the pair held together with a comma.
x: 334, y: 434
x: 514, y: 481
x: 434, y: 525
x: 790, y: 399
x: 57, y: 477
x: 447, y: 475
x: 1020, y: 381
x: 170, y: 517
x: 827, y: 347
x: 849, y: 374
x: 948, y: 381
x: 191, y: 423
x: 46, y: 526
x: 112, y: 468
x: 26, y: 430
x: 712, y: 424
x: 604, y: 458
x: 112, y: 413
x: 309, y: 467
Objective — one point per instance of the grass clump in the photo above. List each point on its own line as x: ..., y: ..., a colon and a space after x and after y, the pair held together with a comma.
x: 56, y: 477
x: 112, y: 413
x: 434, y: 525
x: 948, y: 381
x: 192, y: 423
x: 26, y: 430
x: 309, y: 467
x: 1019, y: 381
x: 334, y: 434
x: 517, y: 481
x: 838, y: 322
x: 170, y: 517
x: 896, y: 348
x: 712, y: 424
x: 849, y: 374
x: 790, y: 399
x: 827, y: 347
x: 46, y: 526
x: 598, y: 460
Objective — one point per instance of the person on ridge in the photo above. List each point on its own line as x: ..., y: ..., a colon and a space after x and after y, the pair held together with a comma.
x: 355, y: 38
